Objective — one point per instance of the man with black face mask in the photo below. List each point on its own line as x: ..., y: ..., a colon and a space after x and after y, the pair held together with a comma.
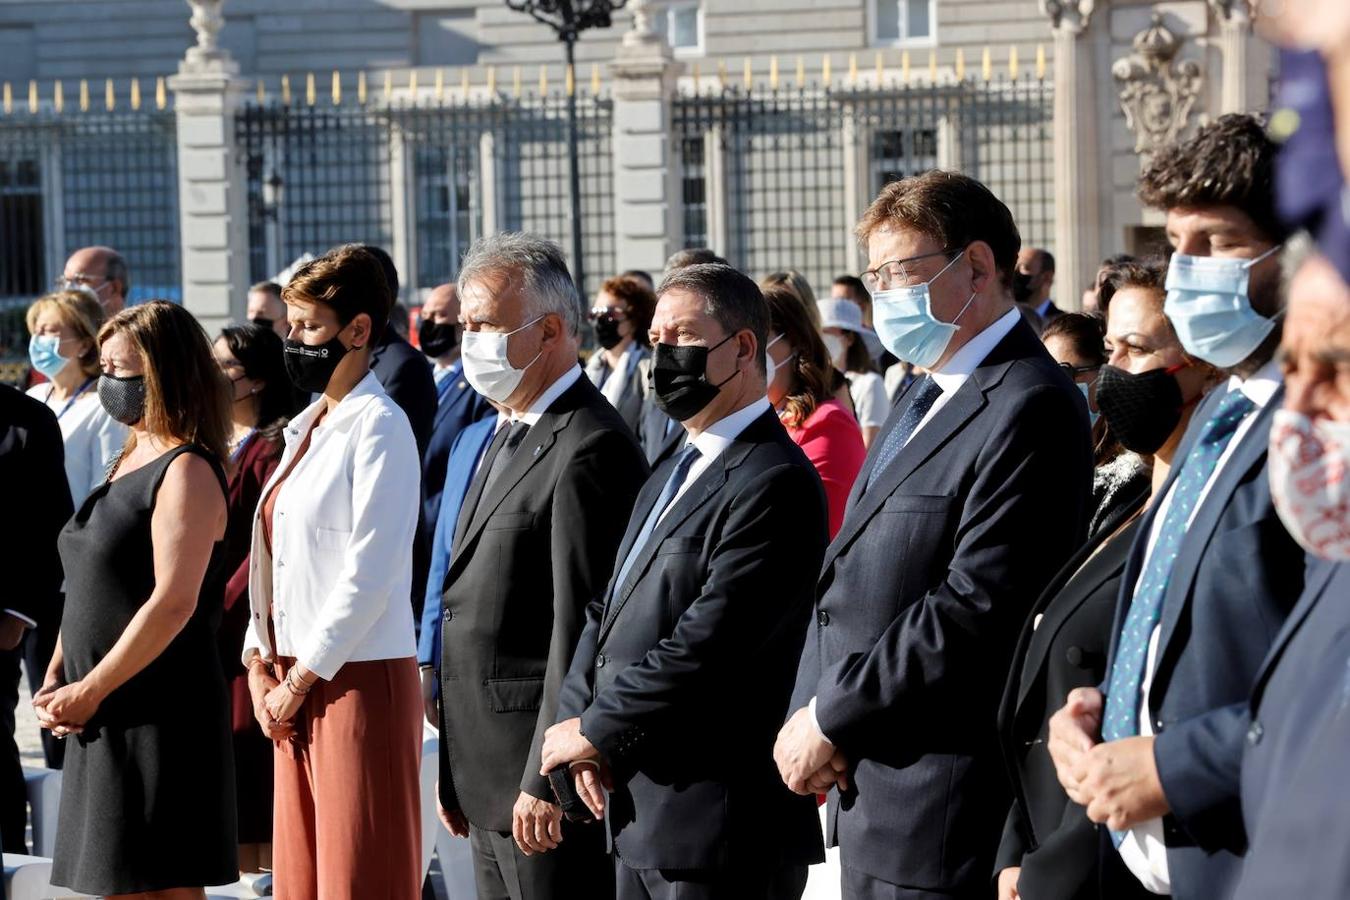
x: 1032, y: 281
x: 686, y: 664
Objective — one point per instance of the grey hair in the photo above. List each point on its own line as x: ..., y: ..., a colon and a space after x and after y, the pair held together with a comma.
x: 547, y: 283
x: 117, y: 271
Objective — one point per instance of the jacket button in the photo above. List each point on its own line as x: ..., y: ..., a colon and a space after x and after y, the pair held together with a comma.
x: 1074, y: 655
x: 600, y: 661
x: 257, y: 615
x: 1255, y: 733
x: 822, y: 618
x: 1158, y: 727
x: 449, y: 614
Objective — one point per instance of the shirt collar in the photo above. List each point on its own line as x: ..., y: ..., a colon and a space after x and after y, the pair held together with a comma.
x: 348, y: 406
x: 1043, y: 307
x: 713, y: 441
x: 965, y: 361
x: 553, y: 392
x: 1261, y: 385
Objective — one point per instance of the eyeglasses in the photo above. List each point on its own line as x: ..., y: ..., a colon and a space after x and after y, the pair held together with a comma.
x: 616, y: 313
x: 80, y: 281
x: 895, y: 270
x: 1075, y: 371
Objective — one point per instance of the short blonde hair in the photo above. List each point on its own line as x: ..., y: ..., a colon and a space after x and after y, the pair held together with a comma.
x: 79, y: 311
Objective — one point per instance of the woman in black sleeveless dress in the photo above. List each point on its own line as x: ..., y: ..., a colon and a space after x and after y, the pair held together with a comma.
x: 147, y: 802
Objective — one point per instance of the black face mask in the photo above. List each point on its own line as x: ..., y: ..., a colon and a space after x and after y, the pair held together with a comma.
x: 436, y: 338
x: 123, y: 398
x: 310, y: 367
x: 607, y: 332
x: 1141, y: 410
x: 1021, y: 287
x: 680, y: 385
x: 263, y: 322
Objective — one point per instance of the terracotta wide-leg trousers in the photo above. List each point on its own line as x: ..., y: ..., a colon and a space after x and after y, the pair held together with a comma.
x: 347, y: 806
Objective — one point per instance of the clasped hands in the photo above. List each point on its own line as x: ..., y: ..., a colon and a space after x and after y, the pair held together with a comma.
x: 274, y: 704
x: 1117, y: 781
x: 64, y: 709
x: 807, y: 762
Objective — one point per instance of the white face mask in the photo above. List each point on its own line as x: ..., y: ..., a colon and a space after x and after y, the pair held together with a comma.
x: 1310, y: 481
x: 771, y: 367
x: 837, y: 348
x: 486, y: 365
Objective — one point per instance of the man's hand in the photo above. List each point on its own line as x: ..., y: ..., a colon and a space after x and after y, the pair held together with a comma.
x: 563, y: 744
x: 1074, y: 730
x: 801, y: 752
x: 592, y: 780
x: 1007, y: 883
x: 11, y: 631
x: 833, y: 774
x: 1121, y: 778
x: 453, y: 819
x: 429, y: 708
x: 536, y: 824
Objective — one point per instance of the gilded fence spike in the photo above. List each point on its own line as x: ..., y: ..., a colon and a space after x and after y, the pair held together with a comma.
x: 161, y: 93
x: 464, y: 80
x: 1040, y: 62
x: 109, y: 94
x: 7, y: 98
x: 881, y: 68
x: 32, y: 97
x: 825, y: 70
x: 336, y: 89
x: 543, y: 80
x: 492, y: 79
x: 286, y: 90
x: 852, y: 69
x: 515, y: 81
x: 84, y: 95
x: 987, y: 65
x: 595, y: 79
x: 904, y: 67
x: 440, y: 84
x: 695, y: 77
x: 361, y: 88
x: 58, y: 96
x: 311, y: 93
x: 1012, y: 63
x: 773, y: 72
x: 932, y: 67
x: 570, y: 81
x: 136, y: 93
x: 801, y: 72
x: 412, y: 84
x: 388, y: 85
x: 722, y: 74
x: 960, y: 64
x: 261, y: 92
x: 748, y: 75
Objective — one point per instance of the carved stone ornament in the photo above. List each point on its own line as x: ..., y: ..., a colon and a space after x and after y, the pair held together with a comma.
x: 206, y: 21
x: 1156, y: 91
x: 1237, y: 11
x: 1070, y: 15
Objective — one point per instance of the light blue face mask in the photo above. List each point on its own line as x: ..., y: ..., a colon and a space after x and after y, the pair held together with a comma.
x: 42, y: 353
x: 1087, y: 398
x: 1207, y: 304
x: 906, y: 325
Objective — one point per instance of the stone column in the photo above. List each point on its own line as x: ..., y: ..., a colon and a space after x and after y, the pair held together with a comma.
x: 647, y: 191
x: 212, y: 202
x: 1235, y: 35
x: 1078, y: 239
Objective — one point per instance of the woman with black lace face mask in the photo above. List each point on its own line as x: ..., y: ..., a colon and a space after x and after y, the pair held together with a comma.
x: 1145, y: 393
x: 622, y: 358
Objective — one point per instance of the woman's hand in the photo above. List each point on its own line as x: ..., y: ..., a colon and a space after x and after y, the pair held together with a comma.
x: 65, y: 709
x: 260, y: 684
x: 283, y: 703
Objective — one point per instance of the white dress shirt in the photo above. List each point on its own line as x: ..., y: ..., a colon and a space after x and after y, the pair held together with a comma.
x: 870, y: 402
x: 1143, y: 849
x: 337, y: 578
x: 714, y: 440
x: 953, y: 374
x: 545, y: 400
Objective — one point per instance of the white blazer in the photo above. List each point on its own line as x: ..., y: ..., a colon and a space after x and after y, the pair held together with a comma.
x: 339, y: 577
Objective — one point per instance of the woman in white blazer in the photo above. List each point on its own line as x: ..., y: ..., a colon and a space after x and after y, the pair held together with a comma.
x: 330, y: 647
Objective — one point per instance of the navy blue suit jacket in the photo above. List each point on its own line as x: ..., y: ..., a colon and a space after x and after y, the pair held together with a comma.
x: 920, y: 602
x: 458, y: 472
x: 457, y: 405
x: 1236, y: 577
x: 1293, y: 768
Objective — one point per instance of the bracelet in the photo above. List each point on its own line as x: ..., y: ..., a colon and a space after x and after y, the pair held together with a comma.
x: 297, y: 684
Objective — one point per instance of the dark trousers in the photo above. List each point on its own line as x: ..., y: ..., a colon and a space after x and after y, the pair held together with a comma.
x: 736, y: 883
x: 860, y: 886
x: 577, y: 868
x: 13, y: 792
x: 38, y: 646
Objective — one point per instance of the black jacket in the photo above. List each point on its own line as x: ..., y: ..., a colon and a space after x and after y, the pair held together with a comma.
x: 528, y: 558
x: 35, y: 492
x: 921, y: 598
x: 1049, y: 837
x: 684, y: 671
x: 406, y: 377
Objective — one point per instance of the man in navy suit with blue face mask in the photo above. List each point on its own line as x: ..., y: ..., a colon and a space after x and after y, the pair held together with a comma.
x: 1155, y: 756
x: 972, y: 496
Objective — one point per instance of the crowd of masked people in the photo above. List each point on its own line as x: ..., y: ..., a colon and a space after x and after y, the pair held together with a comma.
x: 1044, y: 604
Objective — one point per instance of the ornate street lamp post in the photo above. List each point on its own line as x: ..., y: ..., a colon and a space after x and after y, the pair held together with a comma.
x: 568, y: 18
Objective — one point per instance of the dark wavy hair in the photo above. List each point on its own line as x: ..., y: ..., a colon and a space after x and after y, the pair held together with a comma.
x: 259, y: 351
x: 811, y: 367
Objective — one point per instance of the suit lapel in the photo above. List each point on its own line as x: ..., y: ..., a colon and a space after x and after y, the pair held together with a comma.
x: 1313, y: 588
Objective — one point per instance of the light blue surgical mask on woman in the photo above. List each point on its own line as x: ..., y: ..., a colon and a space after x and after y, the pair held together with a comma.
x: 43, y: 353
x: 1207, y: 304
x: 906, y: 325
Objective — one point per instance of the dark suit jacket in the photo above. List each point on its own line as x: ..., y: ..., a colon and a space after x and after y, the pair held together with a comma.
x: 1049, y: 837
x: 920, y: 600
x: 36, y: 493
x: 1236, y: 577
x: 457, y: 406
x: 684, y: 671
x: 659, y: 435
x: 529, y: 556
x: 1293, y: 770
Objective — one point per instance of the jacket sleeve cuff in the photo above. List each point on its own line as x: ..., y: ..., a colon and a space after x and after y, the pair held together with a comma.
x: 21, y: 617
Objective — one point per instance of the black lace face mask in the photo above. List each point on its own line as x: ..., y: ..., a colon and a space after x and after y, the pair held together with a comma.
x: 123, y: 398
x: 1142, y: 409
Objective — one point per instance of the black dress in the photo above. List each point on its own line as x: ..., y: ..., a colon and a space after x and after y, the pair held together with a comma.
x: 147, y: 801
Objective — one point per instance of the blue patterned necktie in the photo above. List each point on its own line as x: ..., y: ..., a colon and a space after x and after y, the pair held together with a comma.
x: 925, y: 395
x: 1127, y: 672
x: 673, y: 484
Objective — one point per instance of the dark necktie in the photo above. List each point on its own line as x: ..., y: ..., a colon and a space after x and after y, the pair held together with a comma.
x: 926, y: 393
x: 501, y: 453
x: 673, y: 484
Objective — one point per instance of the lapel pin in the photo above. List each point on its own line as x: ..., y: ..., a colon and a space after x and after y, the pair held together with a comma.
x: 539, y: 448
